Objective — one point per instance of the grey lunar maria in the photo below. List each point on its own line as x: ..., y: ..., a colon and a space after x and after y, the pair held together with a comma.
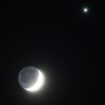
x: 28, y: 77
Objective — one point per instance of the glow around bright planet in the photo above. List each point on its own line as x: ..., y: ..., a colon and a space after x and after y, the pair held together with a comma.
x: 85, y: 10
x: 31, y: 79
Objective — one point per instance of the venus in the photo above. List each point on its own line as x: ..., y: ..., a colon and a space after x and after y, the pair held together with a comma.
x: 85, y: 10
x: 31, y: 79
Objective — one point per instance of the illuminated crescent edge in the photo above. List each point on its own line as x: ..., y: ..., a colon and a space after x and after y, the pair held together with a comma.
x: 38, y: 84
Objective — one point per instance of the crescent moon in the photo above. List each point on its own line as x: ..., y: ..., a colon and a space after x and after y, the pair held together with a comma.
x: 38, y: 84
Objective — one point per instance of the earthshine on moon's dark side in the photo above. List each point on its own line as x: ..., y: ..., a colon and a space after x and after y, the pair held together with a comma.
x: 30, y: 78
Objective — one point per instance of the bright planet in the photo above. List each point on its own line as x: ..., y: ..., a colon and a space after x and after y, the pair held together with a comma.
x: 85, y: 10
x: 31, y: 79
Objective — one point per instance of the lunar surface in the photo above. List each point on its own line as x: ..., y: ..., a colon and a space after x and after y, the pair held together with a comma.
x: 30, y: 78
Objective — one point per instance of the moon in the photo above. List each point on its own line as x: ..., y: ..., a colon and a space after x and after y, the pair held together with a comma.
x: 31, y: 79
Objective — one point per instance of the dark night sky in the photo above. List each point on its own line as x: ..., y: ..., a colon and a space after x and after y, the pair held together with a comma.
x: 58, y: 38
